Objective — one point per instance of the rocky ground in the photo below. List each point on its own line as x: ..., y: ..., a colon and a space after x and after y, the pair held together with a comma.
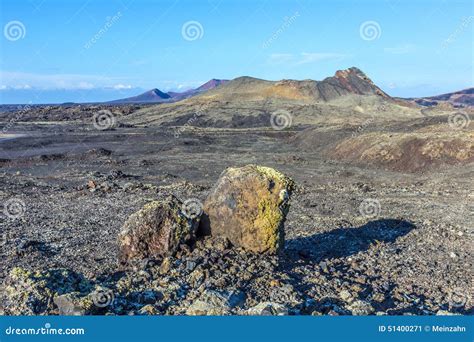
x: 359, y: 239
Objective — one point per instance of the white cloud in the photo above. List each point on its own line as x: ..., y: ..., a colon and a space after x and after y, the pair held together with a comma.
x: 303, y: 58
x: 169, y: 85
x: 400, y: 49
x: 23, y: 80
x: 21, y: 87
x: 121, y: 86
x: 85, y: 85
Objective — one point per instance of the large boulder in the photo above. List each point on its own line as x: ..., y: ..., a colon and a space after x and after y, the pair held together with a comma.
x: 248, y: 206
x: 157, y: 230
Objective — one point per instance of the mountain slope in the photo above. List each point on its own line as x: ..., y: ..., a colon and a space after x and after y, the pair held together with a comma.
x: 211, y: 84
x: 153, y: 95
x: 157, y: 96
x: 344, y: 82
x: 348, y: 97
x: 462, y: 98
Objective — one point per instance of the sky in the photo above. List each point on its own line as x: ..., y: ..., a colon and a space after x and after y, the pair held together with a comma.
x: 56, y: 51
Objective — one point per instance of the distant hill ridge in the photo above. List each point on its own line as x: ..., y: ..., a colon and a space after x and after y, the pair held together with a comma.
x: 459, y: 98
x: 155, y: 95
x: 351, y: 81
x: 344, y: 82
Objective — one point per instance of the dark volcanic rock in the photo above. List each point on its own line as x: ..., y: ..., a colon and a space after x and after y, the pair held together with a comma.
x: 463, y: 97
x: 33, y: 293
x: 215, y: 303
x: 248, y: 205
x: 351, y: 80
x: 156, y: 230
x: 74, y: 304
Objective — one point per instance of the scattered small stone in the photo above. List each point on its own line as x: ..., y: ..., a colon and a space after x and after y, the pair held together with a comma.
x: 190, y: 265
x: 444, y: 313
x: 91, y: 185
x: 99, y: 152
x: 215, y: 303
x: 268, y: 309
x: 378, y: 297
x: 274, y: 283
x: 165, y: 266
x: 148, y: 310
x: 219, y: 243
x: 346, y: 296
x: 360, y: 308
x: 74, y: 304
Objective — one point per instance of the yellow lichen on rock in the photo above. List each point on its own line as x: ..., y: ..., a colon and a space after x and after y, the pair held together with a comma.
x: 267, y: 225
x: 248, y: 206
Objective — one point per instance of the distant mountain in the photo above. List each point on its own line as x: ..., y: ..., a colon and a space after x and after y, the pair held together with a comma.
x: 347, y: 97
x: 157, y: 96
x: 462, y: 98
x: 344, y: 82
x: 154, y: 95
x: 211, y: 84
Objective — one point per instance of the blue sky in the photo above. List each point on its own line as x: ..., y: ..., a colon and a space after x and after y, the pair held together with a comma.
x: 82, y: 50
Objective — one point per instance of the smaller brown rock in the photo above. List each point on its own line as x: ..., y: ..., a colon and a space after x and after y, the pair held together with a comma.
x: 157, y: 230
x: 91, y: 184
x: 165, y: 266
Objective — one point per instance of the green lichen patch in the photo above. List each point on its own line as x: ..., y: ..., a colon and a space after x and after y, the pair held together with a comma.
x: 32, y: 292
